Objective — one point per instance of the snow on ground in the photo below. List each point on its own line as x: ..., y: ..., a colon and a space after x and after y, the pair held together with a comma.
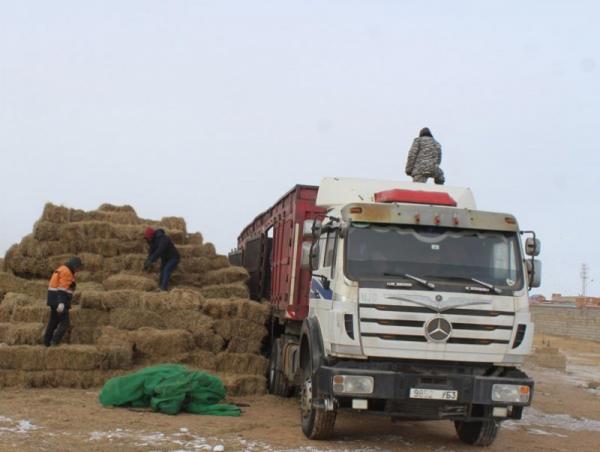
x: 8, y: 425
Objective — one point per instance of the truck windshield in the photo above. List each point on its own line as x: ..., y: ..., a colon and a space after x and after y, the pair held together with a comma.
x: 446, y: 256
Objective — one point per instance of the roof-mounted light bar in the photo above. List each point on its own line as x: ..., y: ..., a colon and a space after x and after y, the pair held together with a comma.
x: 415, y: 197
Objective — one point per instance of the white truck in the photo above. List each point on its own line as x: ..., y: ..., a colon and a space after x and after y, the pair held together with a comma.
x: 396, y: 298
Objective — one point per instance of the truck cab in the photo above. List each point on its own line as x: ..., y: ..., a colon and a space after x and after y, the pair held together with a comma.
x: 417, y: 309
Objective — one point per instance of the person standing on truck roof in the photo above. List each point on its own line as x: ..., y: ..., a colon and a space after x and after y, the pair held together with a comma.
x: 161, y: 246
x: 424, y: 159
x: 60, y: 293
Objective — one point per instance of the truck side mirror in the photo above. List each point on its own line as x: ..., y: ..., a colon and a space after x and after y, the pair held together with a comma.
x: 534, y: 270
x: 305, y: 256
x: 307, y: 229
x: 314, y: 256
x: 309, y: 260
x: 532, y: 246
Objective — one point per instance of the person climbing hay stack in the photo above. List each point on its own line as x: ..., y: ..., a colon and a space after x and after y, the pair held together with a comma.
x: 424, y: 159
x: 60, y: 293
x: 161, y: 246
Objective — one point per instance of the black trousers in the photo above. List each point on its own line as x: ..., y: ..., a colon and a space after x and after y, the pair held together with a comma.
x: 58, y: 324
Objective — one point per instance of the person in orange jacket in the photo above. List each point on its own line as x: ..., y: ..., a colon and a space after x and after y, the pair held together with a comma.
x: 60, y: 292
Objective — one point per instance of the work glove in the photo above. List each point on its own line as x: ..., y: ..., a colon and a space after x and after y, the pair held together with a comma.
x: 60, y: 308
x: 147, y: 265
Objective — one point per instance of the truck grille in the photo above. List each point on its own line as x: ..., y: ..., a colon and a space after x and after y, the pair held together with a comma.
x: 383, y: 326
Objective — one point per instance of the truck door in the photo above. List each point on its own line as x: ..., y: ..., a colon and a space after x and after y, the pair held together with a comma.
x: 321, y: 291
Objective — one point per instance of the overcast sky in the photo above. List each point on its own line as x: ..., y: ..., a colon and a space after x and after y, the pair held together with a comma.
x: 211, y: 110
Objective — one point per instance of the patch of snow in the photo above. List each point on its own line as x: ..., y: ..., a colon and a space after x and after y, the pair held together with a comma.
x: 21, y: 426
x: 533, y: 417
x: 537, y: 431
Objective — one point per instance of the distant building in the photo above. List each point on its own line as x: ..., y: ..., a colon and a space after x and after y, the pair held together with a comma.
x: 558, y: 299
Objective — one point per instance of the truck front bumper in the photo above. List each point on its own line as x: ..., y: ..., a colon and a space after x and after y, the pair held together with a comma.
x: 391, y: 393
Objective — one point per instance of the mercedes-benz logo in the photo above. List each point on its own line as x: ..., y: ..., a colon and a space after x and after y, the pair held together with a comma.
x: 438, y: 329
x: 438, y: 298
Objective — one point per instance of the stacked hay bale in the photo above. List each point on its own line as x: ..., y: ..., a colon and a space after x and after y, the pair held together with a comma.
x: 118, y: 321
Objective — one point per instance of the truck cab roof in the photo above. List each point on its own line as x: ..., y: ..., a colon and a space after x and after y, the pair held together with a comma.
x: 340, y: 191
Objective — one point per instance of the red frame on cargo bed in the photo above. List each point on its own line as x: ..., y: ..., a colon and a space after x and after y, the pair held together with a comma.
x: 290, y: 284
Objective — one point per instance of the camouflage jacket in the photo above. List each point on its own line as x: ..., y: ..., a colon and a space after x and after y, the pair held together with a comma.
x: 424, y: 157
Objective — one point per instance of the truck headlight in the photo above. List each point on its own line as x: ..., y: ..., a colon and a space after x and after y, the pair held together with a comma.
x: 510, y: 393
x: 353, y: 384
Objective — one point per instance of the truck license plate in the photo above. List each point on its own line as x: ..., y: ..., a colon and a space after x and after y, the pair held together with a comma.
x: 433, y: 394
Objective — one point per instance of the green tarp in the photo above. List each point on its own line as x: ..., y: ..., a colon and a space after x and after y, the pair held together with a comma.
x: 169, y: 388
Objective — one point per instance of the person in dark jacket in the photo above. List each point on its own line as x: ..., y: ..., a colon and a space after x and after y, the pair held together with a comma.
x: 424, y: 159
x: 161, y: 246
x: 60, y: 293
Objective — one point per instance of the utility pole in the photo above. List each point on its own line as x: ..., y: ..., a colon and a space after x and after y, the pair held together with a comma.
x: 584, y: 277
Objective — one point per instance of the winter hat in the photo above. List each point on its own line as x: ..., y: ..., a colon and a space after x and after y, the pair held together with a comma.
x: 149, y: 233
x: 425, y: 132
x: 74, y: 263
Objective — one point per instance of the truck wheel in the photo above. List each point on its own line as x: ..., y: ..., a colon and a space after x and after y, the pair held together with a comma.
x: 317, y: 423
x: 477, y: 433
x: 278, y: 384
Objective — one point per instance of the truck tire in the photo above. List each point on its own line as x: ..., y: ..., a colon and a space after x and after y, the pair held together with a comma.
x: 477, y: 433
x: 317, y: 423
x: 278, y: 384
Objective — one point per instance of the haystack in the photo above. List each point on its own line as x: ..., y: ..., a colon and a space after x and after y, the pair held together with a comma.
x: 118, y: 321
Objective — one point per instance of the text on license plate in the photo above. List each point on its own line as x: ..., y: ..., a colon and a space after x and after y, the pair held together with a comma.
x: 435, y: 394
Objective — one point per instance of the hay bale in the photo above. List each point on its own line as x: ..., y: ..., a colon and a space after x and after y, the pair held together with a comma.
x: 208, y: 340
x: 174, y: 223
x: 44, y: 230
x: 202, y: 360
x: 88, y: 285
x: 194, y: 238
x: 104, y: 247
x: 106, y: 207
x: 240, y: 328
x: 242, y: 345
x: 91, y: 262
x: 160, y: 302
x: 110, y: 337
x: 126, y: 281
x: 27, y: 267
x: 87, y: 276
x: 200, y: 264
x: 86, y: 357
x: 31, y: 247
x: 243, y: 385
x: 242, y: 363
x: 128, y: 262
x: 13, y: 301
x: 153, y: 342
x: 12, y: 283
x: 230, y: 308
x: 187, y: 251
x: 23, y: 357
x: 88, y: 317
x: 253, y: 311
x: 133, y: 319
x: 30, y: 314
x: 192, y: 321
x: 219, y: 308
x: 21, y: 333
x: 235, y: 290
x: 113, y: 217
x: 226, y: 275
x: 56, y: 214
x: 84, y: 335
x: 56, y: 378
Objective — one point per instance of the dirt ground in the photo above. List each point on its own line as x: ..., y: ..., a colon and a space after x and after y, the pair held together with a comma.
x: 565, y: 416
